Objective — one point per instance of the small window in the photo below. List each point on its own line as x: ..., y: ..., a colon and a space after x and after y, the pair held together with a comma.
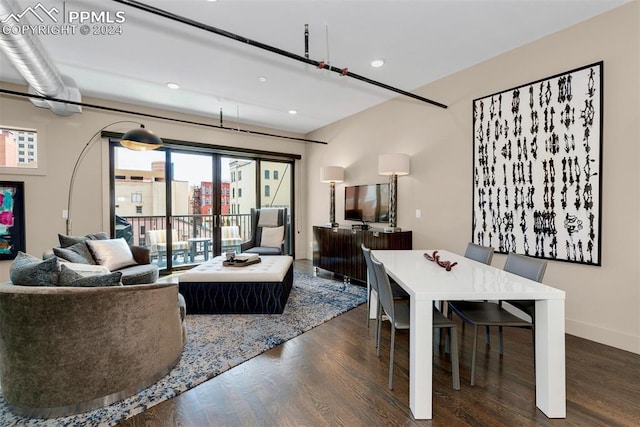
x: 14, y: 145
x: 138, y: 209
x: 266, y: 174
x: 136, y: 197
x: 239, y: 175
x: 275, y: 174
x: 233, y: 193
x: 267, y: 191
x: 239, y: 192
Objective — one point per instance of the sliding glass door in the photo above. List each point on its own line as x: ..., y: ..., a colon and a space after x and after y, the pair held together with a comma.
x: 188, y: 206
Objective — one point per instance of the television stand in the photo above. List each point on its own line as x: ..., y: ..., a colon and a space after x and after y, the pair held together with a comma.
x: 339, y: 250
x: 363, y: 226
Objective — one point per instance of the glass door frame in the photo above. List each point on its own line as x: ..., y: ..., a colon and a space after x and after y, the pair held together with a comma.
x: 217, y: 152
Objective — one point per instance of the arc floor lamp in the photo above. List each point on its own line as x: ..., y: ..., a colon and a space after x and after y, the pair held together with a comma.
x: 138, y: 139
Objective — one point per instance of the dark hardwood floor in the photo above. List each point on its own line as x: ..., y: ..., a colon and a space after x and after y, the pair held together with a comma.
x: 331, y: 376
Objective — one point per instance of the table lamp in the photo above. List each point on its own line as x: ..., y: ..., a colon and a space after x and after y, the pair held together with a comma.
x: 393, y: 165
x: 332, y: 174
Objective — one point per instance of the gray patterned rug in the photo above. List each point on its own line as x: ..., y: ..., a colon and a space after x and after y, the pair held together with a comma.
x: 216, y: 343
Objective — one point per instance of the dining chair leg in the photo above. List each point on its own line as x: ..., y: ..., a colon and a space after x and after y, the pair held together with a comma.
x: 487, y: 337
x: 378, y: 328
x: 393, y: 339
x: 473, y: 354
x: 500, y: 340
x: 455, y: 364
x: 368, y: 305
x: 447, y: 340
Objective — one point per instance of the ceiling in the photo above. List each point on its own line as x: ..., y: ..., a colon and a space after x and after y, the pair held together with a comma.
x: 420, y: 42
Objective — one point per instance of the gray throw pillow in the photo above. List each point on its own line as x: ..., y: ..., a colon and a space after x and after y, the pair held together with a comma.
x: 113, y: 253
x: 68, y: 277
x: 78, y: 253
x: 27, y: 270
x: 66, y: 241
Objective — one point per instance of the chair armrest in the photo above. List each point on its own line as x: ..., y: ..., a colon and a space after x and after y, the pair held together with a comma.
x: 141, y: 254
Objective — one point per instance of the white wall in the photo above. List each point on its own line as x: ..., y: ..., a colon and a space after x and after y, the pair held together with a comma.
x: 603, y: 303
x: 60, y: 140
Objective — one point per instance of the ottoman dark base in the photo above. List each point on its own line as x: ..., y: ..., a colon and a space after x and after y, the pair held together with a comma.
x: 237, y: 297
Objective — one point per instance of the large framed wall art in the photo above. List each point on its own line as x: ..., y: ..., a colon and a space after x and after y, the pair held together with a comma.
x: 12, y: 235
x: 537, y: 167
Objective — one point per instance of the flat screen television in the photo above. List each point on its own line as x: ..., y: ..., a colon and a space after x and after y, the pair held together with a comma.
x: 367, y: 203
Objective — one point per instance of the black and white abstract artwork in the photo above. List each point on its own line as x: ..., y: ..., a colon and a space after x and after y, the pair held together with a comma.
x: 537, y: 167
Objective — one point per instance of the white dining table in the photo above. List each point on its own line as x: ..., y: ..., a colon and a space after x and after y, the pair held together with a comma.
x: 426, y: 282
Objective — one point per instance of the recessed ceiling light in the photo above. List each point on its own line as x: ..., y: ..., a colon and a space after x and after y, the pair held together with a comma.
x: 262, y: 79
x: 171, y: 85
x: 377, y: 63
x: 293, y: 112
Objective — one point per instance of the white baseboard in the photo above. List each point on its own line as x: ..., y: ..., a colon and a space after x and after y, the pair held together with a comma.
x: 610, y: 337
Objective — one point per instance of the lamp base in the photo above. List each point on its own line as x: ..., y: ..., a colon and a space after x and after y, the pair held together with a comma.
x: 333, y: 225
x: 392, y: 229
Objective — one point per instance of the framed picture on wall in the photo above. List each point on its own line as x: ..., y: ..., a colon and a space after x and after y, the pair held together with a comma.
x: 12, y: 233
x: 537, y: 174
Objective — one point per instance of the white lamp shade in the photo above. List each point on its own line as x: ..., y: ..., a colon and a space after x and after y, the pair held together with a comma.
x: 332, y: 174
x: 394, y: 164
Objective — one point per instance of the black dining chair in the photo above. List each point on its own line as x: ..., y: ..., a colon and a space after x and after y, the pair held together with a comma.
x: 398, y: 313
x: 488, y: 313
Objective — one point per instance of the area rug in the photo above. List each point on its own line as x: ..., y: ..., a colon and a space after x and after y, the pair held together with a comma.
x: 216, y: 343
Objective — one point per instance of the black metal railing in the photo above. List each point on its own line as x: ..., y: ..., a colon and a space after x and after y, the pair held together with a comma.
x: 187, y: 226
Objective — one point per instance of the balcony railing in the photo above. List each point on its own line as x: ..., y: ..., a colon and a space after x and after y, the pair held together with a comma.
x: 187, y: 226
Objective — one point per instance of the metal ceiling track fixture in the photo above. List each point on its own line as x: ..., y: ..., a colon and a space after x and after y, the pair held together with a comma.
x: 155, y: 116
x: 278, y: 51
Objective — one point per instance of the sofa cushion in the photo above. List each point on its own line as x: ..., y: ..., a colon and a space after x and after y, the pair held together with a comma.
x: 141, y: 273
x: 78, y: 253
x: 112, y: 253
x: 272, y: 236
x: 69, y: 277
x: 66, y: 241
x: 28, y: 270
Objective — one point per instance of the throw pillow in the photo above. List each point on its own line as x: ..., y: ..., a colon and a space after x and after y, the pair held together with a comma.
x: 69, y: 277
x: 27, y: 270
x: 86, y: 269
x: 113, y: 253
x: 66, y: 241
x: 272, y: 236
x: 78, y: 253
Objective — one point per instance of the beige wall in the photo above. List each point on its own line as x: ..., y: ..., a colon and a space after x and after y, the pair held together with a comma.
x: 603, y: 303
x: 60, y: 140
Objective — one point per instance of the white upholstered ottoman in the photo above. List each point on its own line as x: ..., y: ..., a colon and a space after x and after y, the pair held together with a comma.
x: 261, y: 288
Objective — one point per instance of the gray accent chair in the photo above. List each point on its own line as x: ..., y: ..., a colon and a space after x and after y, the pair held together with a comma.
x: 488, y: 313
x: 398, y: 313
x: 255, y: 244
x: 67, y: 350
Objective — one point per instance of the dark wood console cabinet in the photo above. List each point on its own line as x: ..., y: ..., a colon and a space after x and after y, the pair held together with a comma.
x: 338, y: 249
